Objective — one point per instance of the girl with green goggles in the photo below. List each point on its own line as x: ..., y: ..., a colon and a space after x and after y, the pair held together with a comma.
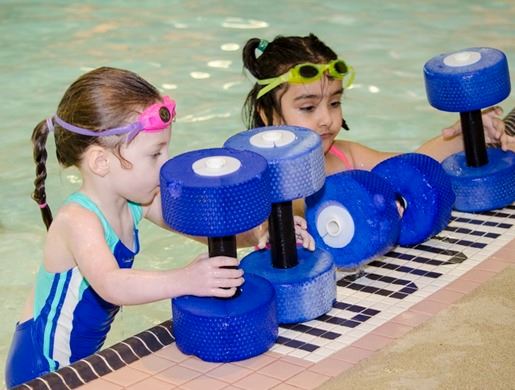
x: 313, y: 102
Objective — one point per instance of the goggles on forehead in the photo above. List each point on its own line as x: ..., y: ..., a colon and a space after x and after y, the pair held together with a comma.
x: 156, y: 117
x: 307, y: 73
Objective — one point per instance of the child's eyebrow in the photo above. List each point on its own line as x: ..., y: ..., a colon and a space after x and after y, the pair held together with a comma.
x: 302, y: 97
x: 317, y: 96
x: 338, y: 92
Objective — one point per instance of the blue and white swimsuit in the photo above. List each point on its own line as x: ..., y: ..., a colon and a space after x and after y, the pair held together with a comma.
x: 71, y: 320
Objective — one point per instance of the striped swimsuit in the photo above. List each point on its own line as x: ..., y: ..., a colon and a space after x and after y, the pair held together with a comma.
x: 71, y: 320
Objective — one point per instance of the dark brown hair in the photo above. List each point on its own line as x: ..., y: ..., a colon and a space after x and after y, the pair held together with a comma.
x: 279, y: 55
x: 101, y: 99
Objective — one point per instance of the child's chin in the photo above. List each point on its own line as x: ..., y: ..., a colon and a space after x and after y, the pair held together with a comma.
x: 147, y: 201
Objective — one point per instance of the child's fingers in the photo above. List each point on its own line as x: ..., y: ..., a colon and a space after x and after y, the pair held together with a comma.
x: 507, y: 142
x: 229, y: 282
x: 309, y: 243
x: 223, y: 292
x: 223, y: 261
x: 491, y: 123
x: 299, y: 221
x: 304, y: 238
x: 450, y: 132
x: 494, y: 128
x: 495, y: 110
x: 263, y: 240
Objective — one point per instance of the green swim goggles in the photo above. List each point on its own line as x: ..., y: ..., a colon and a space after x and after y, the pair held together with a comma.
x: 307, y: 73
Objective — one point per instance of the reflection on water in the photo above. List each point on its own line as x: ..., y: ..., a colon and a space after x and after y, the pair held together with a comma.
x: 191, y: 50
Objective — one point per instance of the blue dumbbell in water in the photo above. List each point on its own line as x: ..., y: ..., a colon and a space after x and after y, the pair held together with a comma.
x: 304, y: 281
x: 467, y: 81
x: 218, y: 193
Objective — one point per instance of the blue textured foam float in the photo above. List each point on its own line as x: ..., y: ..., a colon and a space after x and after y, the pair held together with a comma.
x: 370, y: 200
x: 227, y: 330
x: 423, y: 183
x: 483, y: 188
x: 467, y: 88
x: 215, y: 206
x: 303, y: 292
x: 296, y: 170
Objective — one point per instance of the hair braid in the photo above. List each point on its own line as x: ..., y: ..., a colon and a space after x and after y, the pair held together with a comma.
x: 39, y: 137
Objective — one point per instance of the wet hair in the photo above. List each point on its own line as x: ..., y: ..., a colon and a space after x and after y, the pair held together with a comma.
x: 280, y: 55
x: 101, y: 99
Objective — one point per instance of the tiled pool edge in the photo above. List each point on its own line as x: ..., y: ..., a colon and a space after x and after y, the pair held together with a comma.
x: 107, y: 360
x: 310, y: 375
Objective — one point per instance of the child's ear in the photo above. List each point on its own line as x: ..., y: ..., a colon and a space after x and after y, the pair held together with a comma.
x: 97, y: 160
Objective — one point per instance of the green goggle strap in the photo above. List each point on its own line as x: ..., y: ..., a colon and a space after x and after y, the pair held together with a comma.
x: 272, y: 83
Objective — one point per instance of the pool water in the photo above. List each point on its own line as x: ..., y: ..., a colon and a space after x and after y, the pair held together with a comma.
x: 191, y: 51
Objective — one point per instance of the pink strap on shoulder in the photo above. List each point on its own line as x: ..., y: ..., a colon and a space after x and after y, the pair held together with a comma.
x: 341, y: 156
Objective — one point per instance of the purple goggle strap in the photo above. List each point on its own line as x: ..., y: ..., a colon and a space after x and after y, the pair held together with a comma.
x: 132, y: 129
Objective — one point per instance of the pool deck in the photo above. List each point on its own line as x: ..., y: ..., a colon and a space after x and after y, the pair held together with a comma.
x: 399, y: 294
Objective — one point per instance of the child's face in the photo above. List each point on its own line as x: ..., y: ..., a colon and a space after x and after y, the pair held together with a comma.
x: 147, y: 153
x: 316, y: 106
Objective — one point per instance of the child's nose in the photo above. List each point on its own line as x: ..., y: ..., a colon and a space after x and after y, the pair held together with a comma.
x: 324, y: 119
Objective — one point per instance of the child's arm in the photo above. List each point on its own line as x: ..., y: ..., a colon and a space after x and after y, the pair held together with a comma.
x: 361, y: 156
x: 451, y: 140
x: 86, y: 243
x: 492, y: 124
x: 440, y: 147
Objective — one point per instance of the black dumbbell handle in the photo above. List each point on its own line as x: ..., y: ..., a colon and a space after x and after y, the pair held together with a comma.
x: 283, y: 244
x: 473, y: 138
x: 223, y: 246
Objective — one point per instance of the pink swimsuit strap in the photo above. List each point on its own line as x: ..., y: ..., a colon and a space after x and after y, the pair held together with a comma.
x: 341, y: 156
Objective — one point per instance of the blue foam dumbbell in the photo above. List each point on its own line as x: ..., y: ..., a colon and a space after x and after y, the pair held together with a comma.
x: 466, y: 81
x: 354, y: 217
x: 219, y: 193
x: 304, y: 281
x: 425, y: 191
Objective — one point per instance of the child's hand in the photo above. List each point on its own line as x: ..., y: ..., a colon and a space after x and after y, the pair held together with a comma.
x: 493, y: 127
x: 263, y: 236
x: 207, y: 276
x: 301, y: 235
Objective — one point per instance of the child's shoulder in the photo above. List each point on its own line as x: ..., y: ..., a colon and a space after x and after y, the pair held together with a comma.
x: 73, y: 216
x: 343, y: 145
x: 359, y: 155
